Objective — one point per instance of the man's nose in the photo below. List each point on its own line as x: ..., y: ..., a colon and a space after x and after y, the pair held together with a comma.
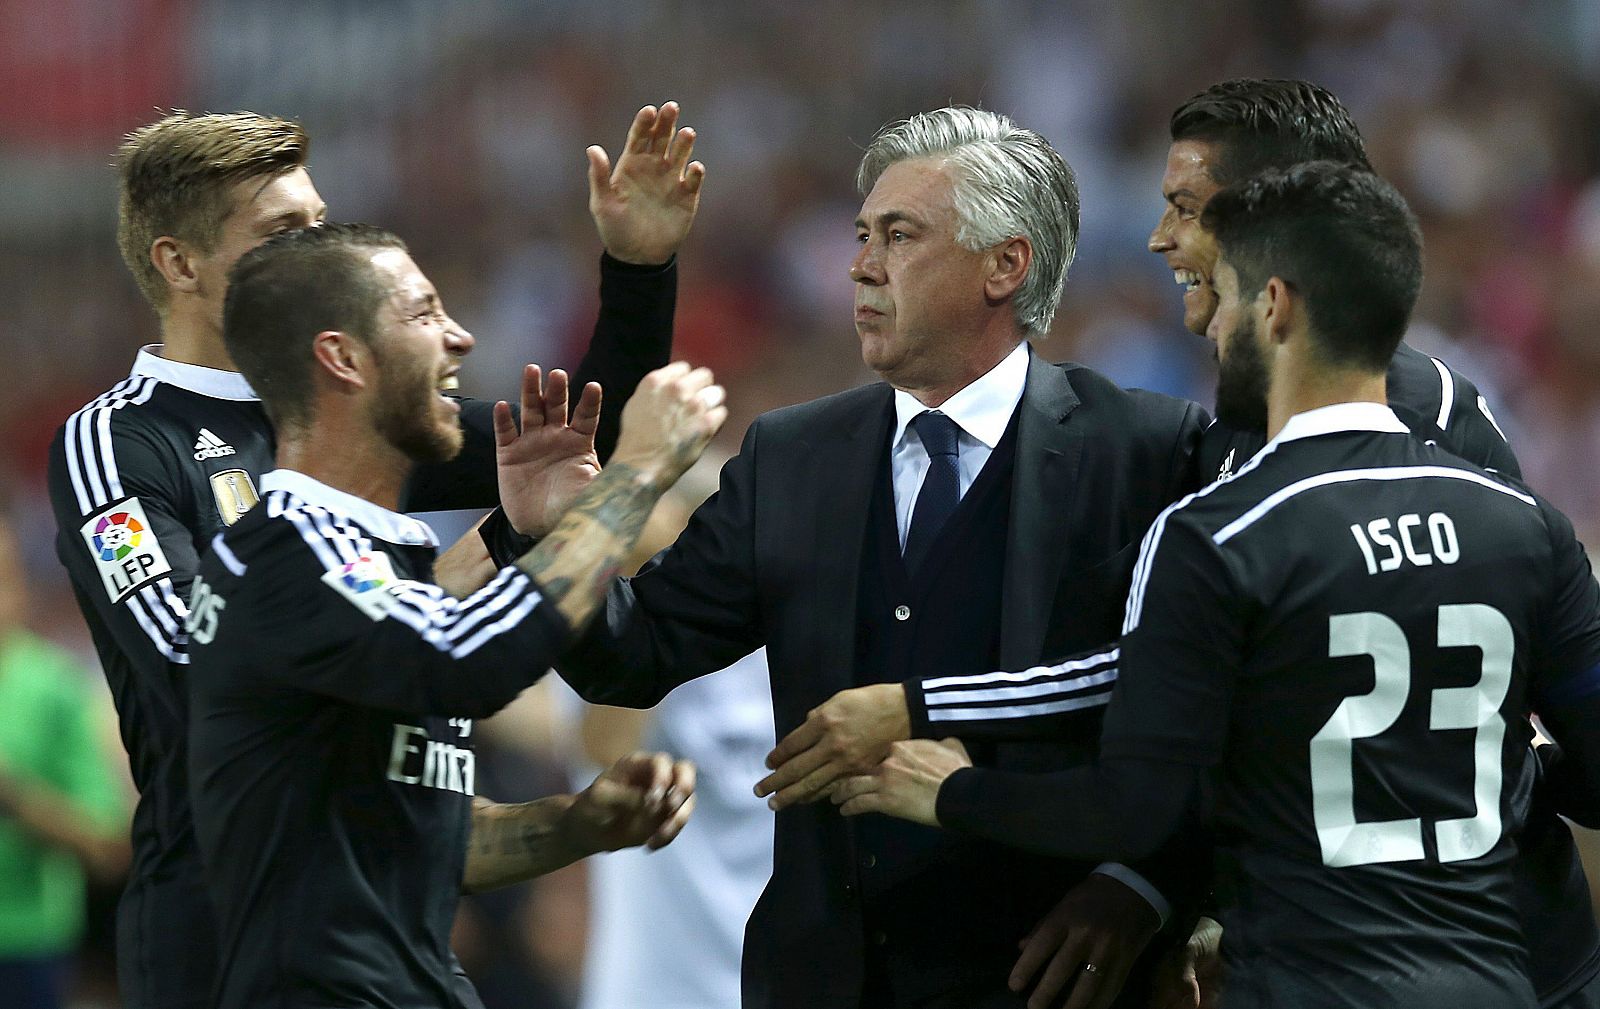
x: 1161, y: 237
x: 456, y: 339
x: 866, y: 267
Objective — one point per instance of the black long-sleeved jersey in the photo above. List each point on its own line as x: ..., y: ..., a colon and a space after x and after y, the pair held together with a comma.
x: 141, y: 480
x: 330, y: 751
x: 1439, y: 405
x: 1333, y: 655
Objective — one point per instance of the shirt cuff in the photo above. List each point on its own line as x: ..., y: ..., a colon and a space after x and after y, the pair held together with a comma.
x: 1139, y: 885
x: 611, y: 264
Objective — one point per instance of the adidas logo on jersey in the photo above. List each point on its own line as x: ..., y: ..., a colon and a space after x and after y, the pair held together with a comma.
x: 209, y: 446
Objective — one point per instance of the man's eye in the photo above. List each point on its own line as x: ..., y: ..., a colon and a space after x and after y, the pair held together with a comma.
x: 897, y: 236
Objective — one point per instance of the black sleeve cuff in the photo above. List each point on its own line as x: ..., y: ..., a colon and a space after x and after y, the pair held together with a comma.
x: 958, y: 798
x: 504, y: 543
x: 917, y: 711
x: 611, y: 265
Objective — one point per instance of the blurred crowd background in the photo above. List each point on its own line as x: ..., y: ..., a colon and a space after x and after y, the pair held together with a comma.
x: 461, y: 125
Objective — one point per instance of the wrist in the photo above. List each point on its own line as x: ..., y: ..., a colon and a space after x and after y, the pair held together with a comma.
x: 572, y: 837
x: 647, y: 473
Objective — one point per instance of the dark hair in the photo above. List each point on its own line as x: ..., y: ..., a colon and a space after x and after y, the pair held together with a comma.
x: 1343, y: 238
x: 1260, y: 124
x: 287, y: 290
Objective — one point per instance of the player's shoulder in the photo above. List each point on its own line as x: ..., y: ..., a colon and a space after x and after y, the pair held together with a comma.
x: 841, y: 412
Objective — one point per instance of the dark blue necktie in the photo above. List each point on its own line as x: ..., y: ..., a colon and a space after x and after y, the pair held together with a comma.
x: 941, y: 488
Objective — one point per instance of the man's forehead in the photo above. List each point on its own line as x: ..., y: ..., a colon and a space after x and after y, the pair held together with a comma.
x: 406, y: 281
x: 920, y: 186
x: 1189, y: 165
x: 267, y: 196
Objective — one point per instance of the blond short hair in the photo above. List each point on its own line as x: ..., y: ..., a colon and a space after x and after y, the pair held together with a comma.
x: 175, y: 176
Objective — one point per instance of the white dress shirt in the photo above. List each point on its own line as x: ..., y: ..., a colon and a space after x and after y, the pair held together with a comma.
x: 981, y: 411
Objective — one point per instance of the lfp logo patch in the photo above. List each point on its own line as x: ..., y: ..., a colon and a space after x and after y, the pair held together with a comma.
x: 365, y: 581
x: 117, y: 535
x: 124, y: 548
x: 364, y: 574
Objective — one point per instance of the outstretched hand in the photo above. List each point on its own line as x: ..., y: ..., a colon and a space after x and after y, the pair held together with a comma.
x: 906, y: 784
x: 543, y: 467
x: 1087, y: 943
x: 644, y: 798
x: 847, y: 734
x: 643, y: 206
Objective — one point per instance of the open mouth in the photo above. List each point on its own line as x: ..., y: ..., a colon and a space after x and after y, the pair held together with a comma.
x: 450, y: 382
x: 1188, y: 280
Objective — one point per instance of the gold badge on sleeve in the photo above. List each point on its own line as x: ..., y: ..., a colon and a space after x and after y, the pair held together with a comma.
x: 235, y: 494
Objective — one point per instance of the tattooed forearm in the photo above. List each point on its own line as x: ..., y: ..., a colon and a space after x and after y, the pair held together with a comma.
x: 514, y: 842
x: 576, y: 563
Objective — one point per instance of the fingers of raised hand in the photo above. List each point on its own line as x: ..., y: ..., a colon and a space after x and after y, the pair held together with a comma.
x: 505, y: 426
x: 555, y: 399
x: 680, y: 151
x: 586, y: 414
x: 661, y: 132
x: 639, y: 132
x: 694, y: 177
x: 532, y: 397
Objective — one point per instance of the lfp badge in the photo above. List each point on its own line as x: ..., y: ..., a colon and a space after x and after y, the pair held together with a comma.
x: 117, y: 535
x: 124, y: 548
x: 365, y: 581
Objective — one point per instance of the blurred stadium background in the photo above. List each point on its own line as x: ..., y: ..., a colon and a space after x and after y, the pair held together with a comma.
x: 461, y: 125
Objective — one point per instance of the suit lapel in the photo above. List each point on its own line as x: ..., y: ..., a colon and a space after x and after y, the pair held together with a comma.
x: 844, y: 473
x: 1042, y: 492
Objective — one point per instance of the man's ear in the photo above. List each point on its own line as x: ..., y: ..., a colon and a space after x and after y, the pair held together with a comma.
x: 1011, y: 260
x: 1282, y: 309
x: 172, y: 259
x: 344, y: 358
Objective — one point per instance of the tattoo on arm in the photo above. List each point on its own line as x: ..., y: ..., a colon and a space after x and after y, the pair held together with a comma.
x: 577, y: 562
x: 515, y: 842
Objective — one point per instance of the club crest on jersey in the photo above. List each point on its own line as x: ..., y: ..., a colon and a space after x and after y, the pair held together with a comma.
x: 366, y: 582
x: 124, y: 548
x: 235, y: 494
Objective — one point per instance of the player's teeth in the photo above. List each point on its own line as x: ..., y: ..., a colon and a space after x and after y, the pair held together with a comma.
x: 449, y: 383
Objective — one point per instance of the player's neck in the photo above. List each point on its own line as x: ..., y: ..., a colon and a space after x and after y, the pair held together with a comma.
x: 1320, y: 388
x: 350, y: 458
x: 189, y: 337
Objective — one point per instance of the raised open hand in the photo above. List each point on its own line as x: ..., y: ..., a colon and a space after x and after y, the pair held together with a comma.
x: 643, y: 207
x: 545, y: 466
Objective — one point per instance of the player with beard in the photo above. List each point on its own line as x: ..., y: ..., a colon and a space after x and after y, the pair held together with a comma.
x: 1222, y: 135
x: 146, y: 474
x: 1329, y: 658
x: 335, y: 682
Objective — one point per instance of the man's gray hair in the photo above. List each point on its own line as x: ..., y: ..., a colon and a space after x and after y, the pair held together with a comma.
x: 1008, y: 183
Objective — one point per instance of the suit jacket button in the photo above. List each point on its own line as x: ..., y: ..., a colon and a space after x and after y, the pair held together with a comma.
x: 868, y: 861
x: 879, y: 939
x: 902, y: 612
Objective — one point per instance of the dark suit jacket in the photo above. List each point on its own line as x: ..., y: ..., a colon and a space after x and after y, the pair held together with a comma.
x: 773, y: 559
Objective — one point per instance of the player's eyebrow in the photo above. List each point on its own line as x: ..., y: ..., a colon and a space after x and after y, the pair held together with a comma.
x: 422, y: 300
x: 889, y: 217
x: 289, y: 218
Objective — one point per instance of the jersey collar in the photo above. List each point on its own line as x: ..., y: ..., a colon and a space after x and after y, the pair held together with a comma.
x: 1341, y: 417
x: 389, y: 526
x: 213, y: 382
